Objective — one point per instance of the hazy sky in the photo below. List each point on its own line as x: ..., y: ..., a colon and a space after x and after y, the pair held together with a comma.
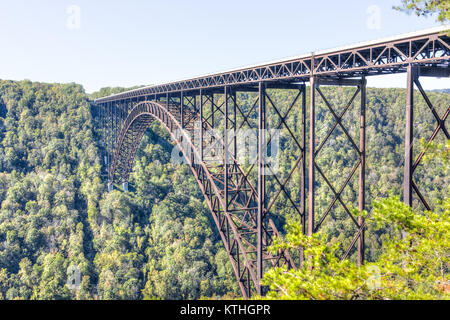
x: 100, y: 43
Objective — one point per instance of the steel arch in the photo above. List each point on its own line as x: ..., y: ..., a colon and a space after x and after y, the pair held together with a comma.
x: 237, y: 228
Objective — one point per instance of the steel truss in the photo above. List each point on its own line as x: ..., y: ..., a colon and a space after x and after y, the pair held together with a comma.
x: 243, y: 197
x: 413, y: 74
x: 243, y: 223
x: 360, y: 149
x: 376, y: 58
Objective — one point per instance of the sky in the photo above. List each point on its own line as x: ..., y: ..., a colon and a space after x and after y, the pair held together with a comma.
x: 101, y: 43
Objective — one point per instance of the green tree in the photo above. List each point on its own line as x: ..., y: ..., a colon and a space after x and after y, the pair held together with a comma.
x: 427, y: 7
x: 158, y: 240
x: 411, y: 267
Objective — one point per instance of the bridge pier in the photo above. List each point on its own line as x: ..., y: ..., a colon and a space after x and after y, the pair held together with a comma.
x: 261, y: 181
x: 409, y: 136
x: 312, y: 148
x: 313, y: 224
x: 414, y: 73
x: 182, y: 108
x: 201, y: 126
x: 362, y: 170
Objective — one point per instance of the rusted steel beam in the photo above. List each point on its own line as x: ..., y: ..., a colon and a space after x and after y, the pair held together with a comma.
x: 303, y: 171
x: 182, y: 108
x: 409, y: 116
x: 261, y: 180
x: 362, y: 170
x: 226, y: 151
x: 312, y: 152
x: 434, y: 72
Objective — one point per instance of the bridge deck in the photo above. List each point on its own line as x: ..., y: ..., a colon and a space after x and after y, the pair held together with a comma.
x: 386, y: 56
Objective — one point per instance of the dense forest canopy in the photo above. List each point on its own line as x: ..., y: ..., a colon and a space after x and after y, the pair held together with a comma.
x: 158, y: 241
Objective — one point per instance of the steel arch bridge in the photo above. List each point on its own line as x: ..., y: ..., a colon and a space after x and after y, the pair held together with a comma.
x: 236, y: 193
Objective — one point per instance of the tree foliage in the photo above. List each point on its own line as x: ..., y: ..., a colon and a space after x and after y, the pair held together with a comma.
x: 427, y: 7
x: 158, y: 240
x: 411, y: 267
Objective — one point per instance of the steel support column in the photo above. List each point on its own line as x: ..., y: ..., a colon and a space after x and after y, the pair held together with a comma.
x: 182, y: 108
x: 110, y: 142
x: 105, y: 141
x: 233, y: 94
x: 226, y: 151
x: 408, y: 168
x: 212, y: 111
x: 303, y: 170
x: 362, y: 170
x: 312, y: 151
x: 201, y: 125
x: 108, y: 132
x: 261, y: 181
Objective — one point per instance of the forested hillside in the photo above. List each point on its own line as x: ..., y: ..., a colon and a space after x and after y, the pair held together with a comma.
x: 158, y: 241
